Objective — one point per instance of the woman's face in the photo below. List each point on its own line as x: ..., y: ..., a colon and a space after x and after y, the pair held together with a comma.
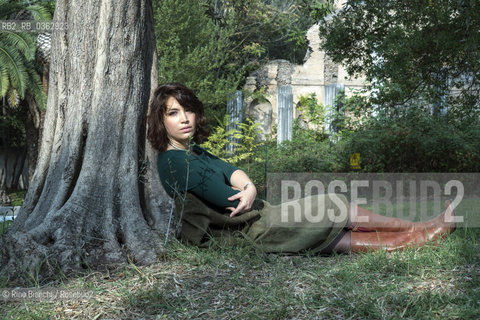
x: 179, y: 123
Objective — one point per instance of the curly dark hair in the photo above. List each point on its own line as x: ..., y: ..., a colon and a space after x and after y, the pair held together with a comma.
x: 156, y: 133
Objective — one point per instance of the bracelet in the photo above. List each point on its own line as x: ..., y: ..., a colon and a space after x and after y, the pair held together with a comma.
x: 245, y: 187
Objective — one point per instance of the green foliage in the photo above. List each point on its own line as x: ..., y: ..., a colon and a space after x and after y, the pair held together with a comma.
x: 16, y: 197
x: 308, y: 127
x: 310, y: 149
x: 18, y: 69
x: 320, y: 9
x: 249, y: 143
x: 12, y: 127
x: 211, y: 45
x: 302, y: 154
x: 244, y: 151
x: 218, y: 140
x: 411, y: 51
x: 413, y: 142
x: 195, y: 51
x: 312, y: 111
x: 278, y: 27
x: 353, y: 113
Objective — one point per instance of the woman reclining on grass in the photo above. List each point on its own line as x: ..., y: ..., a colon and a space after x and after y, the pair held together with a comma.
x: 217, y: 198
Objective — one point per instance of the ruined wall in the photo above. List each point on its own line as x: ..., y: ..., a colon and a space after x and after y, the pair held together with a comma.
x: 317, y: 71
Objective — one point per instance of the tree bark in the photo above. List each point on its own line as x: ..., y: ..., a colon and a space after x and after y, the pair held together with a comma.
x: 95, y: 199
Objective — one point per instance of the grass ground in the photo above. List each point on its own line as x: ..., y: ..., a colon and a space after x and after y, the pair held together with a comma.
x: 237, y: 281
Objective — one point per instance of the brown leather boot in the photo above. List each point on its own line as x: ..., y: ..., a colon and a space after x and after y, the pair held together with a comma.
x: 377, y: 222
x: 391, y: 241
x: 388, y: 241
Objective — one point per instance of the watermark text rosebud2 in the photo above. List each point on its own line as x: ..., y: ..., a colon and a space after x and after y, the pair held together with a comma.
x: 416, y: 197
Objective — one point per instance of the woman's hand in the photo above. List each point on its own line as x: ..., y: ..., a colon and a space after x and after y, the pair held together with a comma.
x: 246, y: 197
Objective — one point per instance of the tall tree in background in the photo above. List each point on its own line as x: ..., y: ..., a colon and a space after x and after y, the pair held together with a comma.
x: 194, y: 50
x: 411, y: 51
x: 93, y: 199
x: 211, y: 45
x: 276, y: 28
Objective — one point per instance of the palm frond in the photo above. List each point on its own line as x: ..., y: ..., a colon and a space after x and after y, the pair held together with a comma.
x: 39, y: 12
x: 18, y: 71
x: 14, y: 62
x: 4, y: 80
x: 34, y: 86
x: 21, y: 41
x: 8, y: 8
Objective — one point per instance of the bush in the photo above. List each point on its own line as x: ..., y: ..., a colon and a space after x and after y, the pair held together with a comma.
x: 297, y: 156
x: 245, y: 132
x: 413, y: 142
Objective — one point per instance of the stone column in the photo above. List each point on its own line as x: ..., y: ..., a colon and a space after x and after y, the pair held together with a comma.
x: 329, y: 101
x: 285, y: 114
x: 235, y: 112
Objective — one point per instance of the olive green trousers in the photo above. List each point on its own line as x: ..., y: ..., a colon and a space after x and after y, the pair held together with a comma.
x: 306, y: 225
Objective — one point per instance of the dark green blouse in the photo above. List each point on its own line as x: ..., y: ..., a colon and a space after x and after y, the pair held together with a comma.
x: 198, y: 172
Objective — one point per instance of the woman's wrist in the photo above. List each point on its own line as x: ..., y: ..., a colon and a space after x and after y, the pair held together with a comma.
x: 251, y: 189
x: 247, y: 185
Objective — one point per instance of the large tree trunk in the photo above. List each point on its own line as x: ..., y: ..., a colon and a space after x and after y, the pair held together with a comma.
x: 95, y: 198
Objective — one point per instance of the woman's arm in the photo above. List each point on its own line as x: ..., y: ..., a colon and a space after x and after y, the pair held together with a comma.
x: 181, y: 172
x: 240, y: 181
